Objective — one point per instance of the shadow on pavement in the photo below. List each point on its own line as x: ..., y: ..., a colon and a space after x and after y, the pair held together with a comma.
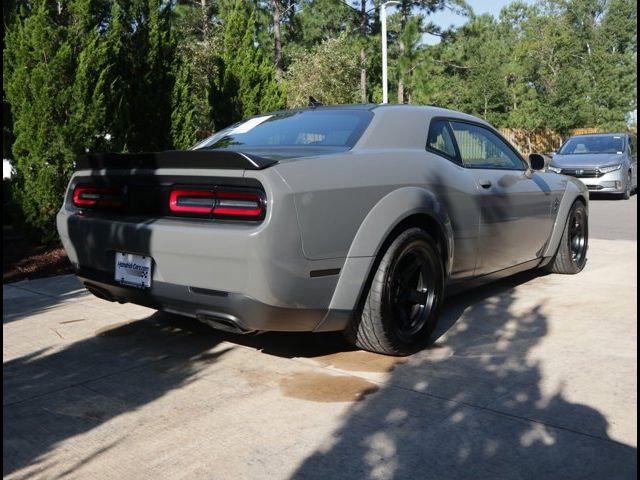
x: 23, y: 299
x: 471, y: 407
x: 46, y: 399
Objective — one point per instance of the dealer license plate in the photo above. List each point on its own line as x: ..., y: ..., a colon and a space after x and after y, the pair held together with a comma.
x: 133, y: 270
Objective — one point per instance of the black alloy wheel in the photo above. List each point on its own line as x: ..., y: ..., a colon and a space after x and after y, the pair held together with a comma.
x: 571, y: 256
x: 410, y: 290
x: 578, y: 236
x: 402, y: 303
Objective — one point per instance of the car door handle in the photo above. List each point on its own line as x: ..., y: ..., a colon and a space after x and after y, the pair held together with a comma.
x: 485, y: 183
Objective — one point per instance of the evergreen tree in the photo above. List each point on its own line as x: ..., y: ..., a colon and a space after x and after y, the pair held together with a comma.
x: 246, y: 82
x: 198, y: 54
x: 183, y: 125
x: 48, y: 70
x: 330, y: 72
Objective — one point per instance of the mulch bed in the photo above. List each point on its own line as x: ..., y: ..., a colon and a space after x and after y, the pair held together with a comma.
x: 24, y: 259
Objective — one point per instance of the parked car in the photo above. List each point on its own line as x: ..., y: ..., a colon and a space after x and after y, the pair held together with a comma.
x: 606, y: 163
x: 350, y: 218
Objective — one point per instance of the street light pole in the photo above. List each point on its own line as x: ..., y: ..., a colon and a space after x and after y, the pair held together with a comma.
x: 383, y: 21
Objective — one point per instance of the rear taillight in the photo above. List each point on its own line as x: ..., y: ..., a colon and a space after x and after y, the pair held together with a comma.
x: 192, y: 201
x: 218, y: 203
x: 94, y: 196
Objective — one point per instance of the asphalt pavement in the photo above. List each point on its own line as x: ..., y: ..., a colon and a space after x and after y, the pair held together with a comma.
x: 532, y: 377
x: 613, y: 218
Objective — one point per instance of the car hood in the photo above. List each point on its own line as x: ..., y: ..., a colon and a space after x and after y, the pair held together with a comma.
x: 586, y: 160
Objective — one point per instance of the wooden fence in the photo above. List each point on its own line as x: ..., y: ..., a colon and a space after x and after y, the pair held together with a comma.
x: 542, y: 140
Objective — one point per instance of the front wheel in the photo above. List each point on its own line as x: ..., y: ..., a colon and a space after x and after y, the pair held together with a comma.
x: 402, y: 304
x: 571, y: 256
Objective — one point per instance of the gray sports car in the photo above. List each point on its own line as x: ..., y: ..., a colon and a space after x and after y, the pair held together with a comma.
x: 350, y: 218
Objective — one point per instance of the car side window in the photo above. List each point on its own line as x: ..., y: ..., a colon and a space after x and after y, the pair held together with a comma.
x: 440, y: 140
x: 479, y: 147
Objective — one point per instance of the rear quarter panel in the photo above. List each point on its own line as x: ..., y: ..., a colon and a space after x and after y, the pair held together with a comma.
x: 573, y: 190
x: 333, y: 196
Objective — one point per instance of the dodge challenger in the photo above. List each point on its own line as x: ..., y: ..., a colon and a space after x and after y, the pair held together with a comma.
x: 340, y: 218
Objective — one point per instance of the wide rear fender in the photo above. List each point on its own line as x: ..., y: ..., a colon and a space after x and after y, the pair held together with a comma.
x: 574, y: 190
x: 390, y: 211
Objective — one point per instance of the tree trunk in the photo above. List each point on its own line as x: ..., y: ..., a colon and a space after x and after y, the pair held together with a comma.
x: 405, y: 6
x: 277, y: 48
x: 205, y: 19
x: 363, y: 58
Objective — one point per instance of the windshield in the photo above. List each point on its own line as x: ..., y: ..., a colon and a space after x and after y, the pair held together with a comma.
x: 599, y: 144
x: 330, y: 128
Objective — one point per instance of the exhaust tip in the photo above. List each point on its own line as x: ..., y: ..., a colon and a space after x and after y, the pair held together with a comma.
x: 221, y: 322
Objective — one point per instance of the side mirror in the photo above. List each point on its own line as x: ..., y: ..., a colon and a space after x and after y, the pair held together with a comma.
x: 536, y: 161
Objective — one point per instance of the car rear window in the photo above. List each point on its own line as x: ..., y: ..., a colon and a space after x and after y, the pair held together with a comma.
x: 330, y: 128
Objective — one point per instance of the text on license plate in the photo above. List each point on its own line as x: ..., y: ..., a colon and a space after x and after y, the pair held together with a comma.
x: 133, y: 270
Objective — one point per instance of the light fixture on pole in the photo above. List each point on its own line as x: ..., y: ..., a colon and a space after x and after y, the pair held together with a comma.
x: 383, y: 22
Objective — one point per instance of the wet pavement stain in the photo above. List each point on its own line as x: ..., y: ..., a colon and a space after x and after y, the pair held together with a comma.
x: 321, y: 387
x: 361, y: 361
x: 119, y: 329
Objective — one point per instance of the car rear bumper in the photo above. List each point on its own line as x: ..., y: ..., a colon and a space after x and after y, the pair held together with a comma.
x: 236, y: 277
x: 227, y: 311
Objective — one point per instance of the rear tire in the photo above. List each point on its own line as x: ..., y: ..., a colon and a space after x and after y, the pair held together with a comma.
x: 401, y: 308
x: 571, y: 256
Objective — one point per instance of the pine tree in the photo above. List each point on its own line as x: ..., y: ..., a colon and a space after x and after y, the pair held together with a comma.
x: 246, y: 82
x: 183, y: 128
x: 198, y: 54
x: 50, y: 83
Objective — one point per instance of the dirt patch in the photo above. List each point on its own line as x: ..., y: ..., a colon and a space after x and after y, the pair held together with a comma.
x: 321, y: 387
x: 23, y: 259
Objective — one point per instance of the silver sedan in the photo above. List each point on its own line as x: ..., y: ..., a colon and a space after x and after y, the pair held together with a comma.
x: 605, y: 163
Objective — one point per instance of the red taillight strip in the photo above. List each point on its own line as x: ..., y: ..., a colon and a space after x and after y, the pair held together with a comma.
x: 92, y: 196
x: 253, y: 203
x: 177, y: 195
x: 224, y: 204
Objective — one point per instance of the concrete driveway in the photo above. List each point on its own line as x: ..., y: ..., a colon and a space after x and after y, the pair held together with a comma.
x: 532, y: 377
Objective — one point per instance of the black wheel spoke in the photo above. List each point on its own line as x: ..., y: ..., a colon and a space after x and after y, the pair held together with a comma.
x: 407, y: 273
x: 417, y: 297
x: 411, y: 291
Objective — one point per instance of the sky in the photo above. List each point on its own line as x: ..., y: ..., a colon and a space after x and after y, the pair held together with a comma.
x: 446, y: 18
